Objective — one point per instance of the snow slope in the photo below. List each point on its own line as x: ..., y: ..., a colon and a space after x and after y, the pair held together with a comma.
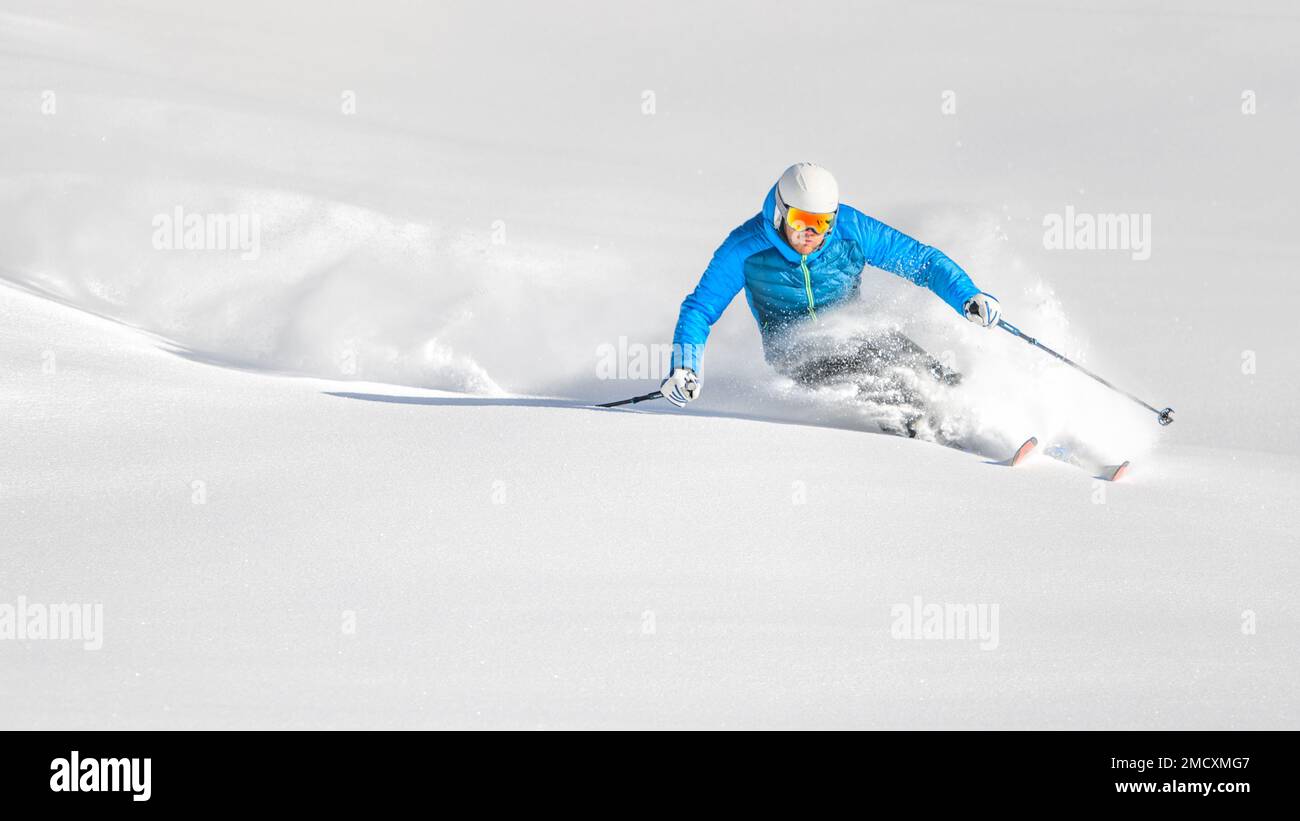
x: 527, y: 579
x: 353, y: 480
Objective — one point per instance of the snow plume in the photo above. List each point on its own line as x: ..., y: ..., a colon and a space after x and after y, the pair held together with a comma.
x: 1008, y: 390
x: 285, y: 281
x: 333, y: 290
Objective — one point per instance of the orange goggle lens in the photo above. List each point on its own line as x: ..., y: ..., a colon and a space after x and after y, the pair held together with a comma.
x: 803, y: 220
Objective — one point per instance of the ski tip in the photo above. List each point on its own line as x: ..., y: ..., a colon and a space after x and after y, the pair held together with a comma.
x: 1118, y: 472
x: 1024, y: 450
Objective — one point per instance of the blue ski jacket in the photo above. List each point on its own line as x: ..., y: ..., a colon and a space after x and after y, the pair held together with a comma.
x: 784, y: 288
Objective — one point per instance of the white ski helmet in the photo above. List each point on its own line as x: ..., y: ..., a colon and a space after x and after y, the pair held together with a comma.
x: 808, y: 187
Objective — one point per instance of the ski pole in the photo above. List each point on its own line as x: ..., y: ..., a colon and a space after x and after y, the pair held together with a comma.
x: 633, y: 400
x: 1164, y: 417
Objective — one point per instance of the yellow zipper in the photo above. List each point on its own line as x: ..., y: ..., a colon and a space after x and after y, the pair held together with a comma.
x: 807, y: 285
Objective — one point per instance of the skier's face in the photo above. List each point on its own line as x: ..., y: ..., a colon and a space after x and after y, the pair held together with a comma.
x: 805, y: 242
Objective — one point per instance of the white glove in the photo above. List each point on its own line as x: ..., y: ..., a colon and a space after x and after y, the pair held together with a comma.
x: 681, y: 387
x: 983, y: 309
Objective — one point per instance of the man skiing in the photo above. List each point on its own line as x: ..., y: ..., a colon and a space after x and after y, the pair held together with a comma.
x: 805, y: 252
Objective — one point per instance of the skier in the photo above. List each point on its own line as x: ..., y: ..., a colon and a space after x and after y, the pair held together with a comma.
x: 805, y: 252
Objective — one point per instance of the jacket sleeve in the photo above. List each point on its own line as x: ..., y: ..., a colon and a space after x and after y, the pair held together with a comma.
x: 722, y: 280
x: 891, y: 250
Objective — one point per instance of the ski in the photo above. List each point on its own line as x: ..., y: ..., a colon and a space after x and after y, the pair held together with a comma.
x: 1023, y: 451
x: 1116, y: 472
x: 1072, y: 456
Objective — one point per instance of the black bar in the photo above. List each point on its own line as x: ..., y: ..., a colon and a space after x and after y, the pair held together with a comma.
x: 336, y: 769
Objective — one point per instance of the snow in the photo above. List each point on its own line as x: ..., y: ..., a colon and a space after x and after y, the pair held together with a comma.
x: 355, y: 480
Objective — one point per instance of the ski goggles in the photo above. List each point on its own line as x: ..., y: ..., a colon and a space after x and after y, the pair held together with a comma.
x: 801, y: 220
